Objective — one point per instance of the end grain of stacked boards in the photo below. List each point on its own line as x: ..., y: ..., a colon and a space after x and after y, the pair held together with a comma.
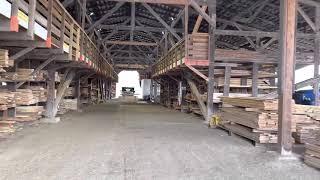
x: 4, y: 60
x: 257, y: 118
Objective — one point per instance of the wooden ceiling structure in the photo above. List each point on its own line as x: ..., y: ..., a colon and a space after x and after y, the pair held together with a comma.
x: 141, y: 31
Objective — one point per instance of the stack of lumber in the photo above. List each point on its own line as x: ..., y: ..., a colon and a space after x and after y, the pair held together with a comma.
x: 7, y: 98
x: 8, y: 76
x: 241, y: 73
x: 24, y: 74
x: 312, y: 154
x: 4, y: 59
x: 39, y: 92
x: 25, y: 97
x: 236, y: 82
x: 67, y: 105
x: 28, y: 113
x: 69, y: 92
x: 7, y: 127
x: 307, y: 133
x: 252, y: 118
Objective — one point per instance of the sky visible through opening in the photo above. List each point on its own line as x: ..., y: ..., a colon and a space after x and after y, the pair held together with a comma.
x: 129, y: 79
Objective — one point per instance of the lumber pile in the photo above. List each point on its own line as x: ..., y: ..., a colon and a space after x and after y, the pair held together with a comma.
x: 28, y: 113
x: 39, y: 93
x: 307, y: 133
x: 4, y: 59
x: 69, y: 92
x: 25, y: 97
x: 67, y: 105
x: 261, y: 116
x: 7, y: 127
x: 312, y: 154
x: 7, y: 98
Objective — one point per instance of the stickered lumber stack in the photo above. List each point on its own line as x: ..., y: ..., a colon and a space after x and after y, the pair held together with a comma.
x: 25, y: 97
x: 312, y: 154
x: 7, y: 98
x: 28, y: 113
x: 39, y: 93
x: 261, y: 116
x: 307, y: 133
x: 67, y: 105
x: 7, y: 126
x: 4, y: 59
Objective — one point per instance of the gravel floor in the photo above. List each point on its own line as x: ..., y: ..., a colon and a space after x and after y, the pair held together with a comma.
x: 138, y: 142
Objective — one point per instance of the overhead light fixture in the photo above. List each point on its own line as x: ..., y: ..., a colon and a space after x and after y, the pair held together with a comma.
x: 171, y: 18
x: 91, y: 14
x: 162, y: 32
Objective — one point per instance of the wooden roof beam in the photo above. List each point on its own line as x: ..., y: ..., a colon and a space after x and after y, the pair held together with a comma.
x: 131, y: 43
x: 103, y: 18
x: 170, y: 29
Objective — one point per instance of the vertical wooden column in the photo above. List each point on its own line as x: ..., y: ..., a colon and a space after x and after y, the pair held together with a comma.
x: 255, y: 71
x: 31, y: 18
x: 317, y: 58
x: 288, y: 49
x: 49, y: 23
x: 186, y: 30
x: 211, y: 55
x: 78, y: 93
x: 227, y: 76
x: 183, y: 95
x: 14, y: 22
x: 51, y: 94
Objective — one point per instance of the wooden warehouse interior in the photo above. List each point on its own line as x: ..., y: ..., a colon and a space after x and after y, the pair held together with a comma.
x: 231, y: 62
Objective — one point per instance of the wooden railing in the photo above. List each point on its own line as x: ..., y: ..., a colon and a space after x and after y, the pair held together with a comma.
x: 63, y: 32
x: 197, y: 49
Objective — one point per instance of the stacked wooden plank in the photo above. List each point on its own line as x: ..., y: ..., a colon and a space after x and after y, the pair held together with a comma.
x: 28, y: 113
x: 7, y: 127
x: 25, y: 97
x: 69, y: 92
x: 67, y: 105
x: 312, y: 154
x: 24, y: 74
x: 8, y: 76
x: 7, y: 98
x: 4, y: 59
x: 261, y: 116
x: 39, y: 93
x: 236, y: 82
x: 307, y: 133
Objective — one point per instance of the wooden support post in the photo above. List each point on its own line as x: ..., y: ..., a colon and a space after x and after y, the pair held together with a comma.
x: 227, y: 75
x: 51, y: 95
x: 196, y: 93
x: 31, y: 20
x: 288, y: 18
x: 49, y: 23
x: 255, y: 71
x: 183, y: 95
x: 78, y: 93
x: 211, y: 55
x: 14, y: 22
x: 62, y: 89
x: 62, y: 29
x: 186, y: 30
x: 317, y: 58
